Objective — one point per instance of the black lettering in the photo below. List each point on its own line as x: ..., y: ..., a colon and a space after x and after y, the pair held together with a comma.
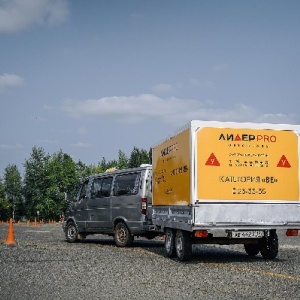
x: 245, y: 137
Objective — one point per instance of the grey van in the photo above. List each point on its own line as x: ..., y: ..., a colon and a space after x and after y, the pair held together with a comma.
x: 117, y: 203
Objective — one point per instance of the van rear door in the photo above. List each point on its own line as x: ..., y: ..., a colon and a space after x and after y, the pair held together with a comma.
x: 126, y: 201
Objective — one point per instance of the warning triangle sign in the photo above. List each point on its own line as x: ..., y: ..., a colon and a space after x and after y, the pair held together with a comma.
x: 212, y: 161
x: 237, y: 138
x: 283, y: 163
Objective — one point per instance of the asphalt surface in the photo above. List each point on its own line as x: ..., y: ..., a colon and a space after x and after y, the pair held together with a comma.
x: 44, y: 266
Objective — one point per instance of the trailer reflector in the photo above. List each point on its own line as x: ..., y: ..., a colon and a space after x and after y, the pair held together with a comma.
x: 292, y: 232
x: 201, y: 233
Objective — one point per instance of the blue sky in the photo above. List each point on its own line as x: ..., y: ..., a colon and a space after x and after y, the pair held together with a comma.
x: 92, y: 77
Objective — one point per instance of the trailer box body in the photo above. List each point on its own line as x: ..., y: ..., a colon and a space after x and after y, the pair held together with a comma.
x: 229, y: 176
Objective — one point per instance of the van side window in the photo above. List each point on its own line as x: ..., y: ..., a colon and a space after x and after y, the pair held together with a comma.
x: 101, y: 187
x: 127, y: 184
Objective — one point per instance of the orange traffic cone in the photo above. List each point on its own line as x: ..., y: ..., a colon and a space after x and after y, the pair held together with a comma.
x: 10, y: 239
x: 35, y: 223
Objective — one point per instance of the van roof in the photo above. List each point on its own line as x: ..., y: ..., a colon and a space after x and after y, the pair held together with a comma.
x: 116, y: 171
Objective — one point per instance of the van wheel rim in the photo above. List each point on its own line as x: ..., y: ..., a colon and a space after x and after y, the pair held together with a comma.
x: 71, y: 232
x: 121, y: 235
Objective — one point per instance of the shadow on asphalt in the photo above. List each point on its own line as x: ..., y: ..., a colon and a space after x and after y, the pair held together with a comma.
x: 201, y: 253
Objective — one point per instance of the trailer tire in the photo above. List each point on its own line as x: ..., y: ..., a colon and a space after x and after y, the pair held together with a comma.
x: 252, y: 249
x: 170, y: 243
x: 183, y: 245
x: 269, y: 246
x: 71, y: 233
x: 122, y: 235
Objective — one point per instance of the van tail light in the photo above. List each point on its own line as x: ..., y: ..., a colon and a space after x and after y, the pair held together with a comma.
x: 292, y: 232
x: 144, y: 206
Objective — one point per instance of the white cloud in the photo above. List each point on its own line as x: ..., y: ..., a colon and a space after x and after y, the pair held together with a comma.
x: 10, y: 80
x: 17, y: 15
x: 169, y: 110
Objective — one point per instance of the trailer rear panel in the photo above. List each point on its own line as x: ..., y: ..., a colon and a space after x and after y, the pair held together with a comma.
x: 247, y: 164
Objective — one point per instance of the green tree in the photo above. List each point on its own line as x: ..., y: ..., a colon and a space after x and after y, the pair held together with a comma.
x: 102, y: 165
x: 150, y: 156
x: 138, y: 157
x: 35, y: 180
x: 122, y: 160
x: 83, y: 170
x: 112, y: 164
x: 13, y: 190
x: 61, y: 179
x: 5, y: 206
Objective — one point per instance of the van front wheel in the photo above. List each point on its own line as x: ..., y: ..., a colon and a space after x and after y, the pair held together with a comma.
x: 71, y: 233
x: 122, y: 235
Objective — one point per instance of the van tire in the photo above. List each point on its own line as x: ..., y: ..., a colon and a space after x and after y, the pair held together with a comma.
x: 71, y: 233
x: 122, y: 235
x: 183, y: 245
x: 170, y: 243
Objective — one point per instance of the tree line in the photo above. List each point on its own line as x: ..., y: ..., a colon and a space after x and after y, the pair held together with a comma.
x: 41, y: 191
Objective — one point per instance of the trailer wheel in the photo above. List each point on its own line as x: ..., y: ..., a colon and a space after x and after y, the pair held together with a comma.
x: 183, y: 245
x: 269, y: 246
x: 170, y: 243
x: 71, y: 233
x: 122, y: 235
x: 252, y: 249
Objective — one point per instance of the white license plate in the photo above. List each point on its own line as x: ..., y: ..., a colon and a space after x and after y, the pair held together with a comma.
x: 247, y: 234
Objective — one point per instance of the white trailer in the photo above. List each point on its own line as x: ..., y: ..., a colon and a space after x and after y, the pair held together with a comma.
x: 227, y: 183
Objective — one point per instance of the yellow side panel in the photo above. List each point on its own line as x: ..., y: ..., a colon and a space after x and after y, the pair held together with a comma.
x: 247, y: 164
x: 171, y: 171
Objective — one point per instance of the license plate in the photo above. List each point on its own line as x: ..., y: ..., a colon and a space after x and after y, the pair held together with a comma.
x: 247, y: 234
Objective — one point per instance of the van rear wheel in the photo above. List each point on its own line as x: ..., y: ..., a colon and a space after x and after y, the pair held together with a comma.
x: 122, y: 235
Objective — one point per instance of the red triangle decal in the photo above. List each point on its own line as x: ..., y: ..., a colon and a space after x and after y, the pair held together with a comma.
x: 283, y: 163
x: 237, y: 138
x: 212, y: 161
